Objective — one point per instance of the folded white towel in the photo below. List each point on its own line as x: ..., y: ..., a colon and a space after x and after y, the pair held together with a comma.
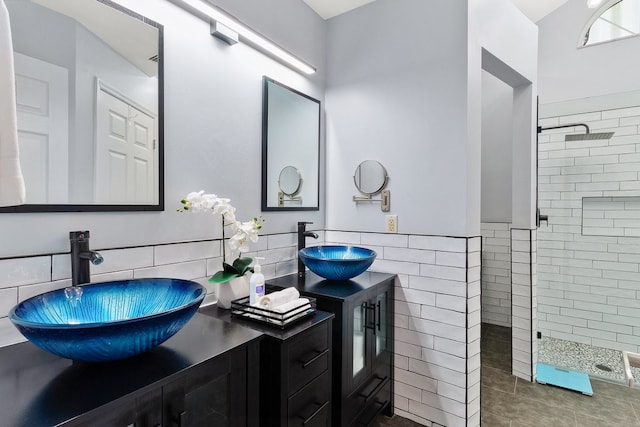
x: 301, y: 303
x: 11, y: 182
x: 275, y: 299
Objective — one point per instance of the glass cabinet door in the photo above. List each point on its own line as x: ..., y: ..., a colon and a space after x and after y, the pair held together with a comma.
x: 381, y: 326
x: 358, y: 339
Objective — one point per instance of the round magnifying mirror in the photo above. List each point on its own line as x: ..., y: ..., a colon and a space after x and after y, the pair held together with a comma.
x: 290, y: 180
x: 370, y: 177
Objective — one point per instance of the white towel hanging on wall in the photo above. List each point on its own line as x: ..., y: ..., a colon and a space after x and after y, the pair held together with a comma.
x: 12, y: 191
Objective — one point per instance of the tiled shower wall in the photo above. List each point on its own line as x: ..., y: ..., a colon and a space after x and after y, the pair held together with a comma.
x: 589, y: 253
x: 496, y: 273
x: 437, y: 321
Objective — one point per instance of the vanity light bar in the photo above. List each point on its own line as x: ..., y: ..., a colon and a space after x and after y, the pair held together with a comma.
x: 248, y: 35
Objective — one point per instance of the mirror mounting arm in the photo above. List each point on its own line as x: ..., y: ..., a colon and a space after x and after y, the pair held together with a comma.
x: 385, y: 200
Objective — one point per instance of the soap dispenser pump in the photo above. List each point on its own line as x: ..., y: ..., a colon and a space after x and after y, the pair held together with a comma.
x: 256, y: 283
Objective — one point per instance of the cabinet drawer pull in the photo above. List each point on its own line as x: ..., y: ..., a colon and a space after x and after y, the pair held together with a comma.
x: 316, y: 357
x: 376, y: 389
x: 316, y: 412
x: 379, y: 316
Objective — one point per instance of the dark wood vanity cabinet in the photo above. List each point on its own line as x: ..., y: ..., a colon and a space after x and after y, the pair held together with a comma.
x: 295, y: 370
x: 362, y: 380
x: 206, y: 375
x: 295, y: 381
x: 213, y: 393
x: 139, y: 410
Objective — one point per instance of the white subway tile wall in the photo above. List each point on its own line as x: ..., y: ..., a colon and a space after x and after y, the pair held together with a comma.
x: 496, y: 273
x: 437, y: 323
x: 437, y: 318
x: 524, y: 317
x: 21, y: 278
x: 589, y: 253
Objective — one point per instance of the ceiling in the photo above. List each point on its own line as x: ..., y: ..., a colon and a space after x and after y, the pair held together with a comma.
x: 534, y: 9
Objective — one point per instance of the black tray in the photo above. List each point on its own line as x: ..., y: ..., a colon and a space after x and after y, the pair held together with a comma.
x: 241, y: 308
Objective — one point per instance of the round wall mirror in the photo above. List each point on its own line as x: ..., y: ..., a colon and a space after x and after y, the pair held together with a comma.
x: 370, y: 177
x: 290, y: 181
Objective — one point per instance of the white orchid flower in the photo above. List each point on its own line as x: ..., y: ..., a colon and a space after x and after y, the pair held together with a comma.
x: 244, y: 232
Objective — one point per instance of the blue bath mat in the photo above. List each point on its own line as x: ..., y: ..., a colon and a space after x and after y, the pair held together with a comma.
x: 564, y: 378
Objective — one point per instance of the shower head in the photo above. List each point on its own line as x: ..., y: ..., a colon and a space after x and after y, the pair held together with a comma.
x: 587, y: 136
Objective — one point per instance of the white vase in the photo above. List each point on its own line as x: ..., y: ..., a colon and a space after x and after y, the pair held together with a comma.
x: 233, y: 289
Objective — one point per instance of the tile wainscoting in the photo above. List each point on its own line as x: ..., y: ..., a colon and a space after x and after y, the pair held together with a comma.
x: 438, y: 309
x: 23, y: 277
x: 496, y: 273
x: 437, y: 323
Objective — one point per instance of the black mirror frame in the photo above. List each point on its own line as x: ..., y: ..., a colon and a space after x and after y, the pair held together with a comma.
x: 31, y: 208
x: 265, y: 143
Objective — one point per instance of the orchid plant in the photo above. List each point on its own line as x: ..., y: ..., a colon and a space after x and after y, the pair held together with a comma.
x: 244, y: 232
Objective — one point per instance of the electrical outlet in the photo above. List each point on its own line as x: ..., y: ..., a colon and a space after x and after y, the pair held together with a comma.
x: 391, y: 222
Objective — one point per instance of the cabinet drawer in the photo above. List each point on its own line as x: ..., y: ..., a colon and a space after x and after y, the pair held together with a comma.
x: 307, y: 357
x: 311, y: 406
x: 376, y: 388
x: 375, y: 406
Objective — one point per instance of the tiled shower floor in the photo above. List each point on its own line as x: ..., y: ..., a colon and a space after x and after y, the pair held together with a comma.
x: 584, y: 358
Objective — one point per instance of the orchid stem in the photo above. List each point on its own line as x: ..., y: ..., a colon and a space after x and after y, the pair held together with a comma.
x: 224, y: 251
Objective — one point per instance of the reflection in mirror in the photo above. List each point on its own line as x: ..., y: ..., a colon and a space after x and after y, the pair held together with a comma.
x: 370, y: 177
x: 290, y: 136
x: 290, y: 183
x: 89, y: 103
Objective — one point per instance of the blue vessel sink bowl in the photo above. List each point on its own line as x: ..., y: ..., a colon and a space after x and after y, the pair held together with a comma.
x: 108, y: 321
x: 337, y: 262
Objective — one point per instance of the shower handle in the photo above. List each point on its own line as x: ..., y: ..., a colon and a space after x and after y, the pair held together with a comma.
x: 540, y: 218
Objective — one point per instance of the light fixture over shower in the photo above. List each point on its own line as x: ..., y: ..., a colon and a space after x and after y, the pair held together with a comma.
x: 230, y: 25
x: 587, y: 136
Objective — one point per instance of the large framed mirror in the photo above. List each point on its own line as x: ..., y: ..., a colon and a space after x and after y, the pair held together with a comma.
x: 290, y: 149
x: 89, y: 79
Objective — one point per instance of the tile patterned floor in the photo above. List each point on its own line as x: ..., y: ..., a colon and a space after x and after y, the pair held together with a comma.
x: 510, y: 402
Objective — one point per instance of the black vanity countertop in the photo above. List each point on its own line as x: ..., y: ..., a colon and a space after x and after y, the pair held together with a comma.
x: 272, y: 331
x: 315, y: 285
x: 40, y: 389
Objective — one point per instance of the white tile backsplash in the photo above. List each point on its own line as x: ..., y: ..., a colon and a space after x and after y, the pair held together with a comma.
x: 8, y: 298
x: 24, y: 271
x: 170, y: 254
x: 436, y: 322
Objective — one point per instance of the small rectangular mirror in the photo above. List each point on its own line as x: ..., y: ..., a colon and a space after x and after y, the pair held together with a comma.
x: 290, y: 149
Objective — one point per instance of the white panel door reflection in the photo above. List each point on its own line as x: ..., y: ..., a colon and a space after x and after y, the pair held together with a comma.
x: 126, y: 155
x: 42, y: 104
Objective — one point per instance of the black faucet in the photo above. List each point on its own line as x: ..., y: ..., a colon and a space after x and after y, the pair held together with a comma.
x: 81, y: 256
x: 302, y: 242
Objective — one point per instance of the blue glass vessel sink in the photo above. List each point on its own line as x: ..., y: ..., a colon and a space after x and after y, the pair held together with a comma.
x: 108, y: 321
x: 337, y: 262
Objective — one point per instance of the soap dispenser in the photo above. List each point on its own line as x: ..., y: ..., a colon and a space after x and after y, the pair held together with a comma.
x: 256, y: 283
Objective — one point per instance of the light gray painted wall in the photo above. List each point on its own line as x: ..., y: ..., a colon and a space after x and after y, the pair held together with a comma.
x: 513, y: 52
x: 569, y: 73
x: 213, y: 105
x: 497, y: 116
x: 396, y: 93
x: 404, y: 88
